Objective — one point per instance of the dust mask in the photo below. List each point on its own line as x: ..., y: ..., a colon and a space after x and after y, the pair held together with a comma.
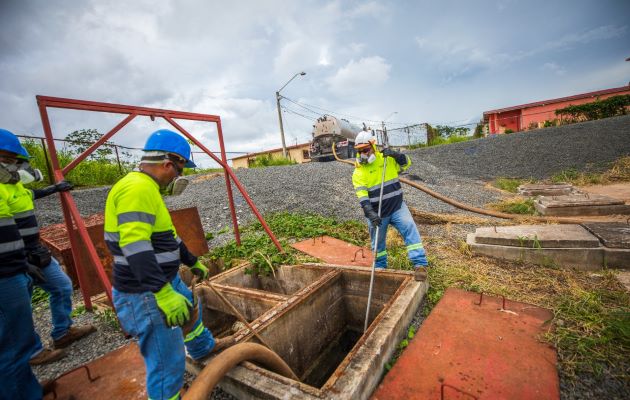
x: 365, y: 159
x: 29, y: 174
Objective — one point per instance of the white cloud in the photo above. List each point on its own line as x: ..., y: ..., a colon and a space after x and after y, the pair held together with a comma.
x: 360, y: 77
x: 555, y: 68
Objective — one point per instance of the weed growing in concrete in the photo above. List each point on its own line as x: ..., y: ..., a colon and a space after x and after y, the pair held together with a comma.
x: 515, y: 205
x: 509, y: 184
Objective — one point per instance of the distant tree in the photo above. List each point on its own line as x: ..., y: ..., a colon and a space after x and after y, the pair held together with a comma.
x: 446, y: 131
x: 478, y: 130
x: 81, y: 140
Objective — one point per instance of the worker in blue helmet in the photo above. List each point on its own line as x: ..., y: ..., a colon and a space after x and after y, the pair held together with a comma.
x: 151, y: 301
x: 17, y: 333
x: 45, y: 269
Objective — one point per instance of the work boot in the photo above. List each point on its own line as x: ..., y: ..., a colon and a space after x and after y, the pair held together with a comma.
x: 420, y: 274
x: 47, y: 356
x: 74, y: 333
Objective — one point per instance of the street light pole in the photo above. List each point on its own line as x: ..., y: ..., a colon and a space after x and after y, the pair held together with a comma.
x: 278, y: 97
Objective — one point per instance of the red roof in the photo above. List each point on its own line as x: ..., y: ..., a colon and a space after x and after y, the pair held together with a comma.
x: 560, y: 99
x: 295, y: 146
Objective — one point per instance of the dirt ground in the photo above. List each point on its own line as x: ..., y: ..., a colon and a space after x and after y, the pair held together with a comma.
x: 619, y: 191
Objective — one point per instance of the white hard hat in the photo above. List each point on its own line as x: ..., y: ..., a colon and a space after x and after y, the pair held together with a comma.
x: 364, y: 139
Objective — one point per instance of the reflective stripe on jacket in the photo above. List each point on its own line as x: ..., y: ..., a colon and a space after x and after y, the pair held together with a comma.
x: 141, y: 236
x: 23, y: 210
x: 12, y: 256
x: 366, y: 180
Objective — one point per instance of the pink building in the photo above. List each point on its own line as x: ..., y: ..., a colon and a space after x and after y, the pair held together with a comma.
x: 526, y: 116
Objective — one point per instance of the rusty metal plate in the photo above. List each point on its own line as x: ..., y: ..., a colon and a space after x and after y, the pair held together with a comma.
x: 116, y: 375
x: 335, y: 251
x: 186, y: 221
x: 472, y: 349
x: 188, y: 226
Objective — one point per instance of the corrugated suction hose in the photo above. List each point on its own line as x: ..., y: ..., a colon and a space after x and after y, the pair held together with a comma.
x: 205, y: 382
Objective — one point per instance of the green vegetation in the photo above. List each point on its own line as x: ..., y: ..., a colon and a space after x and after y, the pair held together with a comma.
x: 39, y: 296
x: 100, y: 168
x: 619, y: 171
x: 267, y: 160
x: 515, y: 205
x: 509, y: 184
x: 257, y: 248
x: 610, y: 107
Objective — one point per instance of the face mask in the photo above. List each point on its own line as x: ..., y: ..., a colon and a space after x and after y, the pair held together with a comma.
x: 175, y: 187
x: 365, y: 159
x: 9, y: 173
x: 29, y: 174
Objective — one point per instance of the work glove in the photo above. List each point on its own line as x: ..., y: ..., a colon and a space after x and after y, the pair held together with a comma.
x: 200, y: 270
x: 62, y: 186
x: 371, y: 214
x: 174, y: 306
x: 35, y: 273
x: 400, y: 158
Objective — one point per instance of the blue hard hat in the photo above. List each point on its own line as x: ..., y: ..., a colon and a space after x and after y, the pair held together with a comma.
x: 170, y: 142
x: 9, y: 142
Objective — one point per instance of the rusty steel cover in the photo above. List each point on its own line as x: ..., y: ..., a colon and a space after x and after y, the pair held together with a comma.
x: 116, y: 375
x: 186, y: 221
x: 335, y: 251
x: 475, y: 346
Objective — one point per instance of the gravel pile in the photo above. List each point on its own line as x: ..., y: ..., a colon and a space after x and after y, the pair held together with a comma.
x: 107, y: 338
x: 538, y: 154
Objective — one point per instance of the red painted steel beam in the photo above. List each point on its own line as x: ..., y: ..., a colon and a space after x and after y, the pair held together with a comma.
x: 97, y: 144
x: 71, y: 213
x: 69, y: 207
x: 228, y: 171
x: 73, y: 104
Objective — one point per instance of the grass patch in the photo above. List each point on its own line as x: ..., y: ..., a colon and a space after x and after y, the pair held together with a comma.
x: 39, y: 296
x: 509, y: 184
x: 267, y: 160
x: 258, y: 249
x: 515, y: 205
x: 591, y: 317
x: 619, y: 171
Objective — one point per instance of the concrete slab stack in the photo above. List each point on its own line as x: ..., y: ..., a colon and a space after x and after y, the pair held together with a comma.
x: 572, y: 246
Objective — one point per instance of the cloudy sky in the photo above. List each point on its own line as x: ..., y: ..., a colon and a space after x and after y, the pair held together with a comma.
x: 442, y: 62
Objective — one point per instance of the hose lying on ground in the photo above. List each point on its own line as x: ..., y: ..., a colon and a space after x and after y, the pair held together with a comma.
x: 220, y: 365
x: 470, y: 208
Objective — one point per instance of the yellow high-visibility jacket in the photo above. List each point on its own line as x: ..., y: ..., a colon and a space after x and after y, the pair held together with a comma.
x: 141, y: 236
x: 12, y: 256
x: 366, y: 180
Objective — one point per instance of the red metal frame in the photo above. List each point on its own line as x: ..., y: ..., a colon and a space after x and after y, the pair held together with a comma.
x: 70, y: 210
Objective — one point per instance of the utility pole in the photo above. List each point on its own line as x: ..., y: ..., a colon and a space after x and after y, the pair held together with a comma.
x: 278, y: 97
x: 385, y: 139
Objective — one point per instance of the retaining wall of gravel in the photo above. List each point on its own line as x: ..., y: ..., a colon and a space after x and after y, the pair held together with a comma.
x: 538, y: 154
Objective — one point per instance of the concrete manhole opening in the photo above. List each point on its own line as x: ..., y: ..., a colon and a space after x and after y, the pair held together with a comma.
x: 316, y: 328
x: 287, y: 279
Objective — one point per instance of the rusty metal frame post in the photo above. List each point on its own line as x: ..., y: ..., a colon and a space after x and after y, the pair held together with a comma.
x: 70, y: 210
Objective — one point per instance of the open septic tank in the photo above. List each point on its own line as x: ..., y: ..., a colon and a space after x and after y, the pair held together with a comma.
x: 312, y: 316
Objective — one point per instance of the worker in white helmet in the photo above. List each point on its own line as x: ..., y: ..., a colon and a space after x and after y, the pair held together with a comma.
x: 366, y: 179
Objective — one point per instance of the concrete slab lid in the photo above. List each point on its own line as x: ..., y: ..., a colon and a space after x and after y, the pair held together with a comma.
x: 544, y: 236
x: 577, y: 200
x: 612, y: 234
x: 542, y: 186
